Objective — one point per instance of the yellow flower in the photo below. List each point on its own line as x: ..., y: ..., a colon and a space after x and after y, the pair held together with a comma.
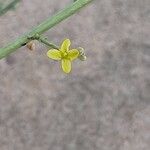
x: 64, y: 55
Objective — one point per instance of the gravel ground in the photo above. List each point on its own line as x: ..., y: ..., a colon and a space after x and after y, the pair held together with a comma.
x: 104, y: 104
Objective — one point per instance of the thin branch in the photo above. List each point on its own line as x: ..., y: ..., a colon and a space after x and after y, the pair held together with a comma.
x: 46, y: 25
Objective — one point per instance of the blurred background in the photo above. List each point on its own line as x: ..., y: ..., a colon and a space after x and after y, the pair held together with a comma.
x: 104, y: 104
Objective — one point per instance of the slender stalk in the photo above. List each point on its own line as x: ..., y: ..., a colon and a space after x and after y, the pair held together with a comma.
x: 46, y: 25
x: 43, y: 40
x: 46, y: 42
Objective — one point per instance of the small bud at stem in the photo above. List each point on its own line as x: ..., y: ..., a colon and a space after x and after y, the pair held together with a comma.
x: 31, y: 45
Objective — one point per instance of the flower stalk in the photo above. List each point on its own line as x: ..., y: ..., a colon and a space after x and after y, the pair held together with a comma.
x: 43, y: 40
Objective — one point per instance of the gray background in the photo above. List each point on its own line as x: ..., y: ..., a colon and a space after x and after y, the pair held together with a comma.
x: 104, y: 104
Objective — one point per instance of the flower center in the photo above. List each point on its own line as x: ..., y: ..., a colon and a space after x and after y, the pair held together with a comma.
x: 64, y: 55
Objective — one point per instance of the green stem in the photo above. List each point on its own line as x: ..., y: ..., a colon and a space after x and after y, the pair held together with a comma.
x: 8, y: 7
x: 46, y: 25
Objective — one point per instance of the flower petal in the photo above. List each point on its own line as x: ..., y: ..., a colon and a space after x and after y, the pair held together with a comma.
x: 65, y: 45
x: 54, y: 54
x: 66, y: 65
x: 73, y: 54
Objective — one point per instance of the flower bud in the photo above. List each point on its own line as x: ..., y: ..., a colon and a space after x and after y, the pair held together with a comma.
x: 31, y: 45
x: 82, y: 55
